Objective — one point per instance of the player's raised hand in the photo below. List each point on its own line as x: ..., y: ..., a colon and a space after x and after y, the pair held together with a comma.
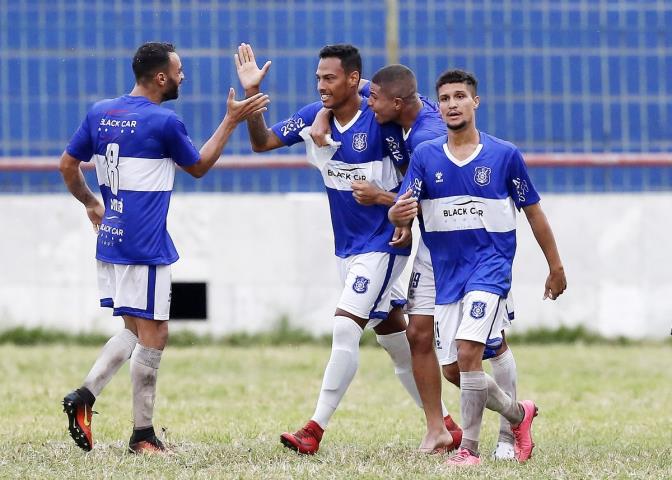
x: 95, y: 214
x: 366, y: 193
x: 249, y: 74
x: 402, y: 237
x: 238, y: 111
x: 556, y: 283
x: 404, y: 210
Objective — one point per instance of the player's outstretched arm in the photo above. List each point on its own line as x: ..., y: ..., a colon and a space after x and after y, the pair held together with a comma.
x: 250, y: 75
x: 405, y: 209
x: 236, y: 112
x: 74, y: 180
x: 556, y: 283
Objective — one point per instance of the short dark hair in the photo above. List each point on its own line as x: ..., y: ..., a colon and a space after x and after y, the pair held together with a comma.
x: 350, y: 58
x: 397, y: 80
x: 150, y: 58
x: 457, y: 76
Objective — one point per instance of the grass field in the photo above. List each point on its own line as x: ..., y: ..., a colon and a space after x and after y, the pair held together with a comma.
x: 605, y: 412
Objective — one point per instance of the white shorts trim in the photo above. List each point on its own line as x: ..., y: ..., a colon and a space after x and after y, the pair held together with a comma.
x: 476, y: 317
x: 371, y: 286
x: 136, y: 290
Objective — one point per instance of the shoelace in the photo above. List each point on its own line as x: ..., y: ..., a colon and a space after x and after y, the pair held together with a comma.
x: 304, y: 433
x: 462, y: 455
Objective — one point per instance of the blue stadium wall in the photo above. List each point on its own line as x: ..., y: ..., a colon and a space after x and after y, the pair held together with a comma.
x: 583, y: 77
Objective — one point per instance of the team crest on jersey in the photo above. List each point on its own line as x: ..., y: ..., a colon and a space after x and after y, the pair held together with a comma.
x: 477, y: 310
x: 359, y: 142
x: 439, y: 177
x: 361, y: 284
x: 482, y: 176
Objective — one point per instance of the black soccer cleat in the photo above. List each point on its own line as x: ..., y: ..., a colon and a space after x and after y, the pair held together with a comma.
x: 79, y: 419
x: 148, y: 446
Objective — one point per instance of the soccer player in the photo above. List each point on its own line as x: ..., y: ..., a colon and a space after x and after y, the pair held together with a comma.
x: 135, y: 144
x: 469, y: 185
x: 369, y: 265
x: 393, y: 97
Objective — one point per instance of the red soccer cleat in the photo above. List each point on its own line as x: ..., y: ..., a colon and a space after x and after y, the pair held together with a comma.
x: 455, y: 431
x: 522, y: 433
x: 306, y: 441
x: 79, y: 420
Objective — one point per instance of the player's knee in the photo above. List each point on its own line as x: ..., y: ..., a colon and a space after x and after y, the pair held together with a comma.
x: 469, y: 356
x: 346, y: 334
x: 420, y: 339
x: 153, y: 334
x: 163, y: 333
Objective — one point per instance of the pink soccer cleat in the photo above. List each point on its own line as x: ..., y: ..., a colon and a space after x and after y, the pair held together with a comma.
x: 522, y: 432
x: 463, y: 458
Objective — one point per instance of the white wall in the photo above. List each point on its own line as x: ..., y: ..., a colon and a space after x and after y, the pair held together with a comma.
x: 265, y: 256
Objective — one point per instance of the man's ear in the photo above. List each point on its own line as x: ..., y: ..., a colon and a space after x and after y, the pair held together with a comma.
x: 477, y: 101
x: 353, y: 79
x: 161, y: 78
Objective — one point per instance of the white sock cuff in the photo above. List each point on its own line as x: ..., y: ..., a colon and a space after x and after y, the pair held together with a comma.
x: 346, y: 331
x: 502, y: 360
x: 147, y: 356
x: 392, y: 339
x: 473, y: 380
x: 129, y: 337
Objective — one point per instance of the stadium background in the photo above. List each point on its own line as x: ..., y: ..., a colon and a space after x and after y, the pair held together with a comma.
x: 582, y: 87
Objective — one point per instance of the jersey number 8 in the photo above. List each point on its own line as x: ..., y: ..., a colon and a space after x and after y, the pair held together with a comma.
x: 112, y: 159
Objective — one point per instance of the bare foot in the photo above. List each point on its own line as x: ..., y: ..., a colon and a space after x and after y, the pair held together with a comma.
x: 437, y: 443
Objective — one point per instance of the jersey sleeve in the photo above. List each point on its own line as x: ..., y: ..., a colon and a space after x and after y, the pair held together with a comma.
x: 365, y: 91
x: 180, y: 147
x: 289, y: 129
x: 394, y: 145
x: 81, y: 143
x: 414, y: 178
x: 519, y: 184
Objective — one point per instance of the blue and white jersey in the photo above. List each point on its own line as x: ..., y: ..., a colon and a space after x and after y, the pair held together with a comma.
x: 368, y: 151
x: 427, y: 126
x: 135, y: 144
x: 469, y: 211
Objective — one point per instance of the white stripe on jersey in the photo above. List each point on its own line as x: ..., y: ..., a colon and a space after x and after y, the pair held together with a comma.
x: 340, y: 175
x: 139, y: 174
x: 465, y: 212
